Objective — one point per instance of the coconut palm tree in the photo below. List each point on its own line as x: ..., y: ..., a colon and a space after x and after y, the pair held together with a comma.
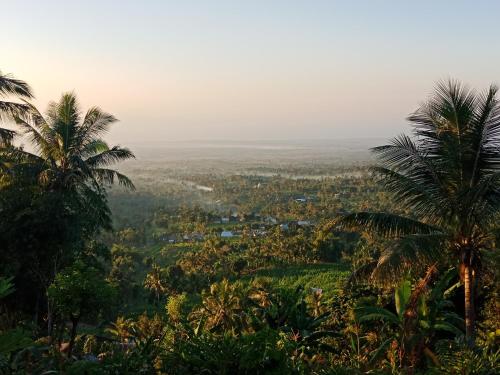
x: 10, y: 86
x: 62, y: 180
x: 155, y: 282
x: 445, y: 183
x: 222, y: 309
x: 69, y: 152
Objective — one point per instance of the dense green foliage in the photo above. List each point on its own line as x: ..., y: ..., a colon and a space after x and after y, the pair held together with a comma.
x: 254, y: 269
x: 447, y: 180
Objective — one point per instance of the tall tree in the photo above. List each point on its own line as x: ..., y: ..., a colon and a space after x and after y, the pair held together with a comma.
x: 445, y: 180
x: 56, y: 201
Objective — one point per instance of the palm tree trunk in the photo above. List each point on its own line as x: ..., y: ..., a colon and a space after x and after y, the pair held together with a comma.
x: 50, y: 319
x: 37, y: 308
x: 74, y: 322
x: 469, y: 304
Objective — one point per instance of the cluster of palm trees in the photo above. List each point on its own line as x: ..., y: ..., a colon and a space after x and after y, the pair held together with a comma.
x: 69, y: 151
x: 446, y: 179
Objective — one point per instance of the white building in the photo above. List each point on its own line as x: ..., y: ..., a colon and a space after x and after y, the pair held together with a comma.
x: 226, y: 234
x: 271, y: 220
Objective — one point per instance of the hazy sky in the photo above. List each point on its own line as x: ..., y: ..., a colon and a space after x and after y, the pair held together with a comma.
x: 180, y: 70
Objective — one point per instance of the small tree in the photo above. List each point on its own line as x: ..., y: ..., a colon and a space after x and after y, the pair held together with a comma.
x: 77, y: 292
x: 420, y: 313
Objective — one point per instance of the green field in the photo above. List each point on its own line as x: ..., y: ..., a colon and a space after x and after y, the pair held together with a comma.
x: 326, y: 276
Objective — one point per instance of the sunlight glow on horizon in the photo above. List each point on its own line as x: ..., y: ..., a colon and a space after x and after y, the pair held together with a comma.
x: 260, y: 70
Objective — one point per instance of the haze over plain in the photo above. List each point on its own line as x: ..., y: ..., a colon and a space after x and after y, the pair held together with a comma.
x: 261, y: 70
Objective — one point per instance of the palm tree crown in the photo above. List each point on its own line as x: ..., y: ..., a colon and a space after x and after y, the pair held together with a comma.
x: 446, y: 182
x: 69, y: 150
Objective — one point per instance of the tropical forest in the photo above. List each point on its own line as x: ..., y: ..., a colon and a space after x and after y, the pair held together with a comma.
x: 249, y: 259
x: 266, y: 187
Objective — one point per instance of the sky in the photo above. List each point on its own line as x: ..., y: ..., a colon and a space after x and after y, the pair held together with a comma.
x: 249, y: 70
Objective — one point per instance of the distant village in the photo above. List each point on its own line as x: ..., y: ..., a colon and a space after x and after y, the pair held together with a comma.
x: 259, y: 226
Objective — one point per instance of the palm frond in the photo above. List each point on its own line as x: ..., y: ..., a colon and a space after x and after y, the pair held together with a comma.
x: 94, y: 201
x: 93, y: 147
x: 448, y: 327
x: 442, y: 124
x: 35, y: 137
x: 439, y: 289
x: 95, y: 123
x: 483, y: 200
x: 109, y: 156
x: 21, y: 156
x: 414, y: 193
x: 361, y: 273
x: 404, y: 155
x: 64, y: 112
x: 65, y: 118
x: 15, y: 161
x: 369, y: 313
x: 484, y: 133
x: 383, y: 223
x: 377, y: 353
x: 455, y: 102
x: 6, y: 136
x: 412, y: 252
x: 109, y: 176
x: 12, y: 86
x: 8, y: 110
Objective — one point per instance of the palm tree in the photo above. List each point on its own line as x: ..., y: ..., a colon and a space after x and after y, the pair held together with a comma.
x: 69, y: 153
x: 15, y: 87
x: 68, y: 171
x: 154, y: 281
x: 445, y: 181
x: 222, y: 309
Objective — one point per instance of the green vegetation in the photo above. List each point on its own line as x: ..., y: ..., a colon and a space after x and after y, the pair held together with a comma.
x: 448, y: 181
x: 259, y: 267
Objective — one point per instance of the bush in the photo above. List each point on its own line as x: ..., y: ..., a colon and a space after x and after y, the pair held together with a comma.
x: 257, y: 353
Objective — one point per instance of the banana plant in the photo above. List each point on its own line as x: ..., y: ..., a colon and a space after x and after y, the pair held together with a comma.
x: 288, y: 311
x: 419, y: 314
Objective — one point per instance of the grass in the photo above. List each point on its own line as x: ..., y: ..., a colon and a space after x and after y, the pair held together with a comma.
x: 326, y: 276
x: 166, y: 254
